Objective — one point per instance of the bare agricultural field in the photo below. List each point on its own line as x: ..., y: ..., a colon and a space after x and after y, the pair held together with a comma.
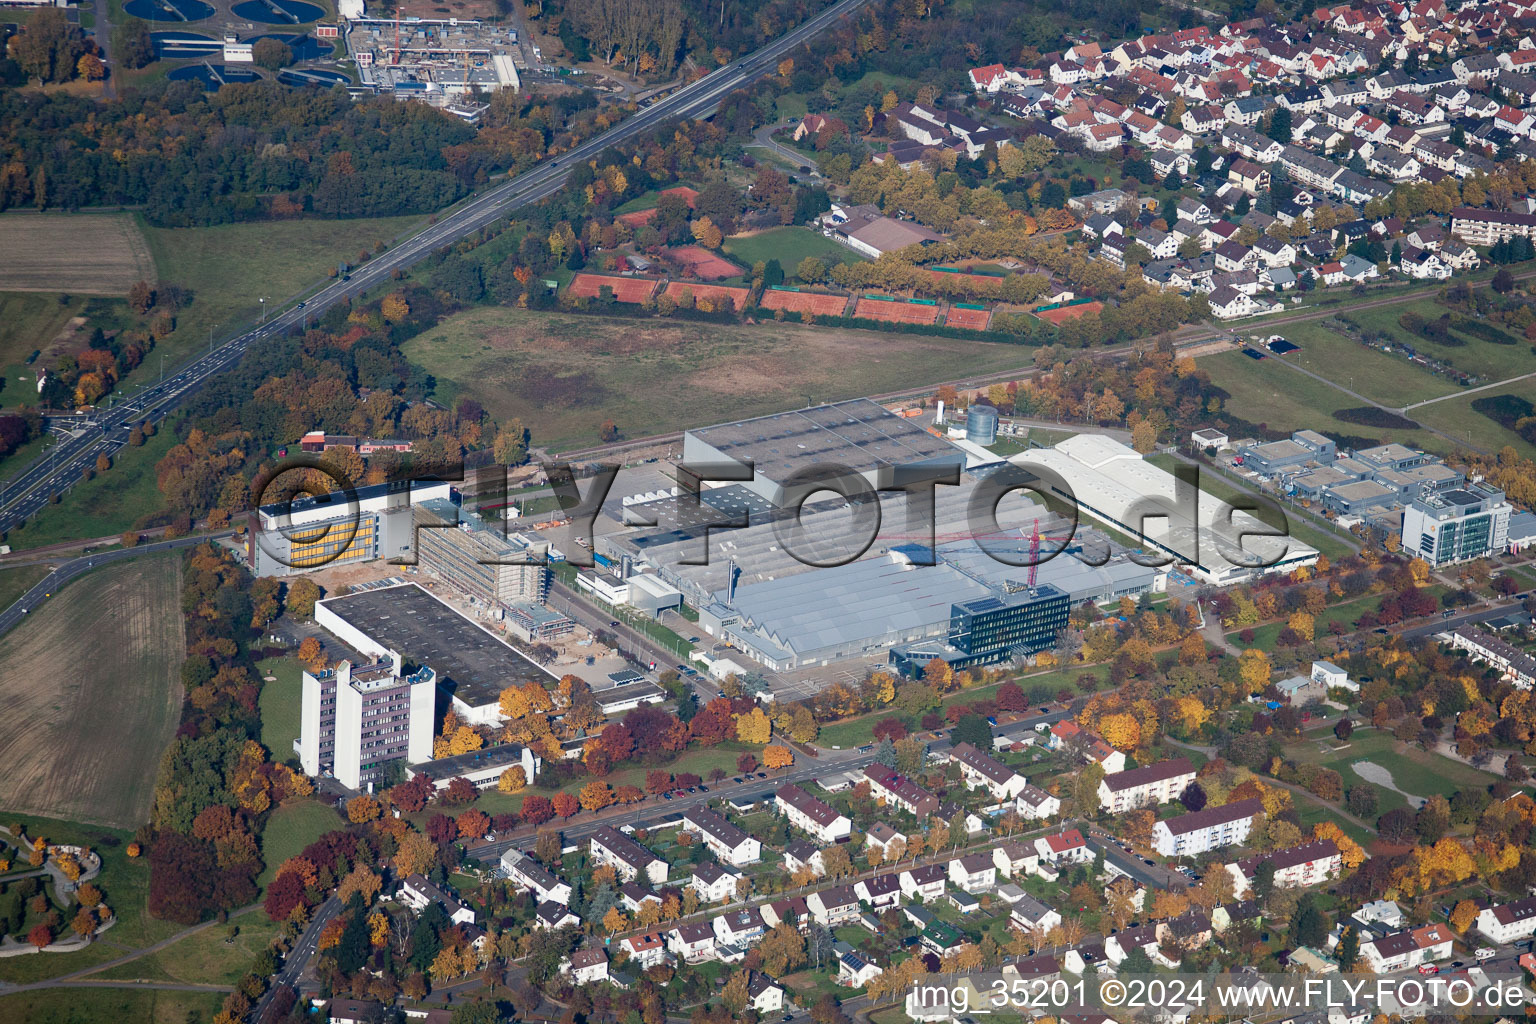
x: 78, y: 253
x: 564, y: 374
x: 89, y: 694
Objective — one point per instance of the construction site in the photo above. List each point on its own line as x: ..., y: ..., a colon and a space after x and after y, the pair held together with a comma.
x: 442, y: 62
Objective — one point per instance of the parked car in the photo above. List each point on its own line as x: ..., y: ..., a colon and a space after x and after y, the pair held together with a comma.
x: 1428, y: 969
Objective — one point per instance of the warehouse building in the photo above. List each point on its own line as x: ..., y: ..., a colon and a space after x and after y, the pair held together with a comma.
x: 1111, y: 482
x: 472, y: 664
x: 860, y: 436
x: 366, y: 524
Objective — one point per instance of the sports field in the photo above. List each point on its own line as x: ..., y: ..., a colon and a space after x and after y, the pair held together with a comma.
x: 715, y: 294
x: 895, y: 310
x: 967, y: 317
x: 789, y: 246
x: 702, y: 263
x: 563, y: 374
x: 89, y: 694
x: 625, y: 289
x: 80, y: 254
x: 817, y: 303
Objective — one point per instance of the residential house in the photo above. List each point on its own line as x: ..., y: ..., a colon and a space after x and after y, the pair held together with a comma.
x: 533, y: 876
x: 1063, y: 848
x: 764, y: 994
x: 586, y: 966
x: 628, y: 858
x: 811, y: 815
x: 1036, y: 804
x: 725, y: 841
x: 889, y: 787
x: 1146, y: 786
x: 740, y: 927
x: 973, y: 873
x: 1015, y: 859
x: 712, y: 882
x: 831, y: 907
x: 982, y: 770
x: 880, y: 892
x: 645, y: 951
x: 551, y: 915
x: 800, y: 855
x: 1210, y: 828
x: 1505, y: 923
x: 694, y: 943
x: 1032, y: 916
x: 882, y: 840
x: 1299, y: 866
x: 924, y: 883
x: 854, y: 971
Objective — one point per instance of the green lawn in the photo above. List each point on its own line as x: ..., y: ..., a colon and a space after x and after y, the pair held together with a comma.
x: 289, y: 829
x: 1389, y: 379
x: 208, y: 957
x: 1282, y: 398
x: 1413, y: 770
x: 17, y: 581
x: 122, y: 497
x: 93, y: 1005
x: 1456, y: 417
x: 698, y: 761
x: 565, y: 373
x: 1265, y: 637
x: 232, y: 266
x: 1495, y: 362
x: 280, y: 705
x: 788, y: 245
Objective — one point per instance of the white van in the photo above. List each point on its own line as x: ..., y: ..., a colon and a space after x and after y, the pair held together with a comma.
x: 1485, y: 953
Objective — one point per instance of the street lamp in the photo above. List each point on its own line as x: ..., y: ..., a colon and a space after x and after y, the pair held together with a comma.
x: 210, y: 335
x: 263, y: 302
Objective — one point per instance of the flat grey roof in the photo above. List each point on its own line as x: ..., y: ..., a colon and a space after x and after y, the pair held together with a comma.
x: 470, y: 663
x: 859, y: 434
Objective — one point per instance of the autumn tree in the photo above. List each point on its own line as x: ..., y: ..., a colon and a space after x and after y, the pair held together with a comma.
x: 776, y: 756
x: 363, y: 808
x: 511, y: 780
x: 301, y: 597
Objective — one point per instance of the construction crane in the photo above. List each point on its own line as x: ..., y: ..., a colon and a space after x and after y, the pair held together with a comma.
x: 396, y: 59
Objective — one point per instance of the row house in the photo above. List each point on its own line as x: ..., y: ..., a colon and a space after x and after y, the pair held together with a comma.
x: 1227, y: 303
x: 978, y: 769
x: 1210, y: 828
x: 1146, y: 786
x: 724, y: 840
x: 1296, y: 867
x: 628, y: 858
x: 417, y: 892
x: 811, y: 815
x: 1249, y: 143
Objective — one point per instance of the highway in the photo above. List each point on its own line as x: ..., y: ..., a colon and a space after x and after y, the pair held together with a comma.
x: 30, y: 491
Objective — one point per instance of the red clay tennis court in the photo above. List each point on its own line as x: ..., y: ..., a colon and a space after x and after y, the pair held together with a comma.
x: 971, y: 318
x: 816, y: 303
x: 639, y: 217
x: 1061, y: 314
x: 713, y: 292
x: 896, y: 310
x: 625, y: 289
x: 702, y: 263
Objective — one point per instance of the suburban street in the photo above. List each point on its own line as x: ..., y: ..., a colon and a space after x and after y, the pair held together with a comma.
x: 298, y: 957
x: 29, y: 492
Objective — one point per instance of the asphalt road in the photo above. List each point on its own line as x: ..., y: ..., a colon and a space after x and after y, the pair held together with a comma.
x: 29, y: 492
x: 298, y: 957
x: 62, y: 574
x: 806, y: 769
